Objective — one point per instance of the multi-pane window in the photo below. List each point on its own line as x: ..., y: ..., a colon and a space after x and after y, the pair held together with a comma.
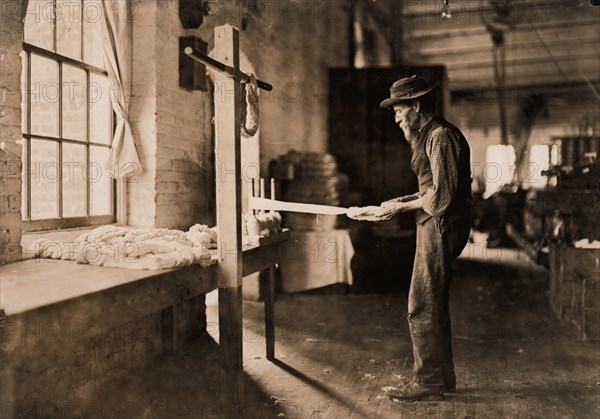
x: 67, y: 117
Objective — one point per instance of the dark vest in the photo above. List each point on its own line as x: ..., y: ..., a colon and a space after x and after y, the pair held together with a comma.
x: 420, y: 164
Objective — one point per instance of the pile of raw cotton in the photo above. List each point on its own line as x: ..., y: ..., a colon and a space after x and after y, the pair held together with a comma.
x: 135, y: 248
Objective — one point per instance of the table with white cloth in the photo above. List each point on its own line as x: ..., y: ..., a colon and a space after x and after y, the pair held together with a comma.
x: 314, y: 259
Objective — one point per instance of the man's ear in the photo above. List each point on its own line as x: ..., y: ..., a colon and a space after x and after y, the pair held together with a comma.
x: 417, y: 105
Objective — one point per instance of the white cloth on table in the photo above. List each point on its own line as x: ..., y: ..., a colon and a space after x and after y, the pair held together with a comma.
x: 314, y: 259
x: 130, y: 248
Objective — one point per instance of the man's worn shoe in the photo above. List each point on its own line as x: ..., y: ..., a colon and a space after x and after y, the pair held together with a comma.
x: 415, y: 391
x: 450, y: 387
x: 450, y: 381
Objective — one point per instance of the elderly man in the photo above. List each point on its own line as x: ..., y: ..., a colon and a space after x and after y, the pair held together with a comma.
x: 442, y: 207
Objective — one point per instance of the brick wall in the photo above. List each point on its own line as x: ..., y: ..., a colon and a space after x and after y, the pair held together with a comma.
x: 142, y: 113
x: 184, y: 175
x: 11, y: 34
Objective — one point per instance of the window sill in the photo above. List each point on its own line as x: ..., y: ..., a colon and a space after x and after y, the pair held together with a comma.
x: 38, y: 283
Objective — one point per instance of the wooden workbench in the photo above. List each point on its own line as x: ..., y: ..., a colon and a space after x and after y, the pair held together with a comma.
x: 30, y: 289
x: 46, y: 295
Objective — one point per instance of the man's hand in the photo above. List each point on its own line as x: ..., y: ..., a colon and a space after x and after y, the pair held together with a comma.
x: 389, y: 210
x: 392, y: 201
x: 405, y: 198
x: 395, y: 206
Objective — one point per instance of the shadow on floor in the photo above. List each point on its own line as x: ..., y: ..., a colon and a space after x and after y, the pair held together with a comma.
x: 186, y: 385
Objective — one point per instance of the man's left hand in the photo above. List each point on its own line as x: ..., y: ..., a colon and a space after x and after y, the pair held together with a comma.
x: 383, y: 212
x: 396, y: 206
x: 390, y: 209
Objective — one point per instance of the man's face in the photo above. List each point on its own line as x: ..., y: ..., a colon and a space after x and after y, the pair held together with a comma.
x: 406, y: 117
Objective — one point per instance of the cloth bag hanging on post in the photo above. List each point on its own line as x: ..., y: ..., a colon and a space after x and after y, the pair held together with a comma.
x: 250, y: 111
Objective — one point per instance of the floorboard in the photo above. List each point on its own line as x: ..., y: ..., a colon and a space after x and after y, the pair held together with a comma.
x: 335, y: 353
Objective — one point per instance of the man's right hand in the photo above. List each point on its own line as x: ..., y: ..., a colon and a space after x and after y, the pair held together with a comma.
x: 392, y: 201
x: 405, y: 198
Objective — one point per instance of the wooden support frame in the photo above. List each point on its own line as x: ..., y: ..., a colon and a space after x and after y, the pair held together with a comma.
x: 231, y: 267
x: 228, y: 186
x: 270, y: 314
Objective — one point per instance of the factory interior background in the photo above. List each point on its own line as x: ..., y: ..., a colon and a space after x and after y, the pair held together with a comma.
x: 100, y: 143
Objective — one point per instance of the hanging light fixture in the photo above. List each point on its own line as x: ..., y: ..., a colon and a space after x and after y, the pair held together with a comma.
x: 446, y: 12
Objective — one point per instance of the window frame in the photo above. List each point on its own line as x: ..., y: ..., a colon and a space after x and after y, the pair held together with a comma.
x: 62, y: 222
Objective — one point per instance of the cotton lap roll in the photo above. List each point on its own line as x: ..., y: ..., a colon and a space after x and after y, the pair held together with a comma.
x: 370, y: 213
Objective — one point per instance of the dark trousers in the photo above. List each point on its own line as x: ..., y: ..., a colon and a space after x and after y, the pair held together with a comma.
x: 439, y: 241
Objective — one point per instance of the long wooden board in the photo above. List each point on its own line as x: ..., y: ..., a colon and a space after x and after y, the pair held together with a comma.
x: 272, y: 204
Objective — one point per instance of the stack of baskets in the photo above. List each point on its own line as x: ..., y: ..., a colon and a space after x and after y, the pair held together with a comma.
x: 313, y: 179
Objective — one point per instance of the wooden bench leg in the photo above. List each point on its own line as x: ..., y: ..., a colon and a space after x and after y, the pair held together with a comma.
x: 169, y: 330
x: 270, y: 313
x: 231, y: 350
x: 7, y: 389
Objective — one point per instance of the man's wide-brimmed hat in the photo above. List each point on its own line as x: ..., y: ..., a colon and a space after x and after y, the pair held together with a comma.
x: 406, y: 89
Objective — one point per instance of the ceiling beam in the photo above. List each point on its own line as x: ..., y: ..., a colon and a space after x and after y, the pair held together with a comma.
x: 479, y: 29
x: 422, y: 9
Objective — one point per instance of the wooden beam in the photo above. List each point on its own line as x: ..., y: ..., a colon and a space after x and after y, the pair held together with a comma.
x: 229, y: 208
x: 436, y: 32
x: 230, y: 351
x: 466, y: 10
x: 564, y: 90
x: 591, y: 59
x: 446, y: 53
x: 261, y: 257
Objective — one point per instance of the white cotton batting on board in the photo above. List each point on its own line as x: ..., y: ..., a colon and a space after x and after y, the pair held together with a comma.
x: 370, y: 213
x: 272, y: 204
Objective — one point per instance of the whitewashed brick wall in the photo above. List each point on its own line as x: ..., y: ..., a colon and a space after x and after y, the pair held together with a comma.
x: 142, y: 112
x: 184, y: 136
x: 291, y: 45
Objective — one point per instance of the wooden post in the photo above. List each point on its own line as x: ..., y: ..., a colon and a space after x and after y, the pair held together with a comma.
x: 270, y: 313
x: 229, y: 208
x: 7, y: 372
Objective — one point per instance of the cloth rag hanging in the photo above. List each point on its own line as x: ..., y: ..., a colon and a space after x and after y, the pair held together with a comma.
x: 123, y: 160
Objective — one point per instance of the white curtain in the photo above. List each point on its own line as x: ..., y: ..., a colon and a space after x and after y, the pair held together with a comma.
x: 117, y: 40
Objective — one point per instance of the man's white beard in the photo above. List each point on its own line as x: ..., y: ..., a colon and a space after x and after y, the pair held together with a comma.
x: 411, y: 136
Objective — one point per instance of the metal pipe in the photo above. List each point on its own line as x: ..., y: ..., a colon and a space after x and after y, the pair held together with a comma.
x: 498, y: 75
x: 217, y: 65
